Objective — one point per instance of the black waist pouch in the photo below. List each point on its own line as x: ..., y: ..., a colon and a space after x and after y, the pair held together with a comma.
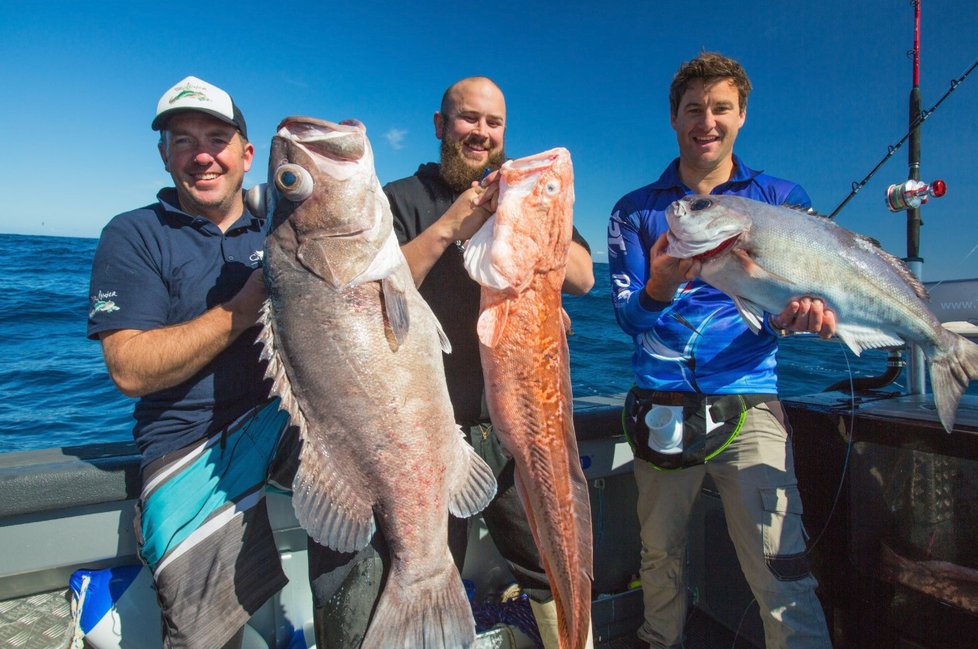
x: 709, y: 424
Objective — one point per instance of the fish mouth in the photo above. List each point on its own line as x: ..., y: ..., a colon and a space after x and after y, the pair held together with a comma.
x: 339, y: 141
x: 724, y: 245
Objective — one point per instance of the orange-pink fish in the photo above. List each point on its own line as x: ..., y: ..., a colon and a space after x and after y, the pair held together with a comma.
x: 519, y: 257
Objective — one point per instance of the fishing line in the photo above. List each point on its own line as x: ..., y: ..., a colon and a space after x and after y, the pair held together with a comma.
x: 849, y: 443
x: 842, y: 479
x: 915, y: 124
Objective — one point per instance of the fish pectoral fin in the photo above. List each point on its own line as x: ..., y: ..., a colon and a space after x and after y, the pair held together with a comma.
x: 334, y: 512
x: 492, y: 323
x: 474, y: 486
x: 396, y: 309
x: 566, y: 319
x: 752, y: 314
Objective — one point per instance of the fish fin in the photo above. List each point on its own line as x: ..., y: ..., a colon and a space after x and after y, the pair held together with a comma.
x: 334, y: 512
x: 752, y: 314
x: 565, y: 319
x: 899, y: 265
x: 478, y: 257
x: 396, y: 309
x: 446, y: 344
x: 950, y: 374
x: 433, y: 613
x: 475, y: 486
x: 860, y: 338
x: 316, y: 488
x: 492, y: 323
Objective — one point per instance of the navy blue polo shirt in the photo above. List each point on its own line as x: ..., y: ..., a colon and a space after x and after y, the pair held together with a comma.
x: 157, y: 266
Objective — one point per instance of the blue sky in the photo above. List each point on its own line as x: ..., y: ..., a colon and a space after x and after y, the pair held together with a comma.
x: 81, y: 81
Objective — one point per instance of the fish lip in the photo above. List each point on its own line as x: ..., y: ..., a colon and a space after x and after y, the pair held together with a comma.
x: 324, y: 146
x: 724, y: 245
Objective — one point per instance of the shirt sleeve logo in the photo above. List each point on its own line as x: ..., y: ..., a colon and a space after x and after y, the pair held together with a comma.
x: 103, y: 303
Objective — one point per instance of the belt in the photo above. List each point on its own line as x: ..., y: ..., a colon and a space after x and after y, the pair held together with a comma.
x: 722, y: 406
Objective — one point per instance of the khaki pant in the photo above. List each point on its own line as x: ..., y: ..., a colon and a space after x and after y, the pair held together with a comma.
x: 756, y: 479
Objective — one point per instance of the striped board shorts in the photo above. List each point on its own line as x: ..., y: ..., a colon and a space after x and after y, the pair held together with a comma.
x: 203, y: 530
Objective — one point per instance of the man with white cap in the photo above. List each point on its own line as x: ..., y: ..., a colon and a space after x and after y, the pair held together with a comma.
x: 175, y: 295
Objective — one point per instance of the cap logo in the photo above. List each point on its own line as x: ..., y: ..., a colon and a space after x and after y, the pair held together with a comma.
x: 191, y: 92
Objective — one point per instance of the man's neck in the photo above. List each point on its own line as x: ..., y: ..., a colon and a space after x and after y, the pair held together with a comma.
x: 704, y: 180
x: 222, y: 217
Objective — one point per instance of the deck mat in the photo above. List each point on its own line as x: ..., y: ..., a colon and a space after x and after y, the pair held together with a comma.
x: 37, y: 622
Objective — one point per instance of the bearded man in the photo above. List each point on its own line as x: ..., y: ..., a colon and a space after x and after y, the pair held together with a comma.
x: 435, y: 212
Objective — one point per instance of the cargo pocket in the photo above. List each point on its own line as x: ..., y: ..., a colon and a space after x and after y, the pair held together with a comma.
x: 784, y: 534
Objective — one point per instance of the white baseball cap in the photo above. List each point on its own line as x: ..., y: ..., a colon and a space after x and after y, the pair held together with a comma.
x: 196, y: 94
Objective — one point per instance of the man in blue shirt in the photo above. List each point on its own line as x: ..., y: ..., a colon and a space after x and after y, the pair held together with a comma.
x: 176, y: 290
x: 705, y: 395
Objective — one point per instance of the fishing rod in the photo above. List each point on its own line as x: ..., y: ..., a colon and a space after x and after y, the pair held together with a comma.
x: 914, y: 125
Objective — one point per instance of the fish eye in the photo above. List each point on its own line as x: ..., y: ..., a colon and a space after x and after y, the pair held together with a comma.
x: 552, y: 187
x: 294, y: 182
x: 700, y: 204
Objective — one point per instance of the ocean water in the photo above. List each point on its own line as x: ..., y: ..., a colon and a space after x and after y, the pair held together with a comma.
x: 54, y: 390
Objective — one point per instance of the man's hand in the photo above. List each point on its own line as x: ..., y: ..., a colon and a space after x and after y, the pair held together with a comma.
x: 462, y: 220
x: 246, y: 305
x: 667, y: 273
x: 806, y: 315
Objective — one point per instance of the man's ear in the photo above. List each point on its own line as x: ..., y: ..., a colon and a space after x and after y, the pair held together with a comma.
x: 439, y: 125
x: 162, y: 149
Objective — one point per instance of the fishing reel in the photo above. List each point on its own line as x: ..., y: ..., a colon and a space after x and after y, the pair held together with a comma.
x: 912, y: 194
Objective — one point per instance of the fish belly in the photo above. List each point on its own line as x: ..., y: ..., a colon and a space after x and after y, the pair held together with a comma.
x: 380, y: 448
x: 528, y: 392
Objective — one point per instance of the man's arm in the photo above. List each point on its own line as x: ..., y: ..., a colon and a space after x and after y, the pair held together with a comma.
x: 580, y: 270
x: 142, y: 362
x: 463, y: 219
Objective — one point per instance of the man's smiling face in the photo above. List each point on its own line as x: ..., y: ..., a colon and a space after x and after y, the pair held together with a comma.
x: 707, y: 122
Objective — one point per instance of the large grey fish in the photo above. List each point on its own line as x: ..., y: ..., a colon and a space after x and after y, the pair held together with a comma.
x: 356, y: 357
x: 763, y: 255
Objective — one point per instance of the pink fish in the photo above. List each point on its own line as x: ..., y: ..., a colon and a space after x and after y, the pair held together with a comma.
x: 519, y: 257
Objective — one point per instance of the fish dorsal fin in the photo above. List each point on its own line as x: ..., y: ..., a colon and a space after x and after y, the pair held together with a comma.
x: 492, y: 323
x: 396, y: 314
x: 474, y: 485
x: 752, y: 314
x: 317, y: 486
x: 900, y: 267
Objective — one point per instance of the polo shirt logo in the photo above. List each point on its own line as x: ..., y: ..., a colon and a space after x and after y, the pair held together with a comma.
x: 102, y: 304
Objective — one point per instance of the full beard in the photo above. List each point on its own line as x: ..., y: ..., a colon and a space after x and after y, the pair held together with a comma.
x: 459, y: 173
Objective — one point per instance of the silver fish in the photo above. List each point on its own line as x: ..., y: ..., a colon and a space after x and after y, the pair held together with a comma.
x: 355, y: 354
x: 763, y: 255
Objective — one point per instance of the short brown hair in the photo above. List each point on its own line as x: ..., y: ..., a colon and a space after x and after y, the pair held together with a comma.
x: 708, y: 67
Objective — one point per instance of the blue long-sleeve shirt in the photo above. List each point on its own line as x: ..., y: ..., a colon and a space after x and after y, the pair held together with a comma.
x: 698, y: 342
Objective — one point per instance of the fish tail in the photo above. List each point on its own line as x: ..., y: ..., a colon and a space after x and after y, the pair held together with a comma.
x: 433, y: 614
x: 950, y: 374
